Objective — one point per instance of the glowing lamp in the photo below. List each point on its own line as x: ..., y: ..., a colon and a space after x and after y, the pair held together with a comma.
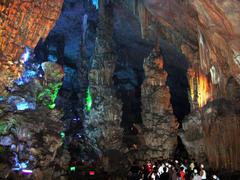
x: 16, y: 169
x: 25, y: 56
x: 27, y: 171
x: 51, y: 106
x: 73, y: 168
x: 62, y: 134
x: 88, y: 100
x: 95, y: 3
x: 91, y: 173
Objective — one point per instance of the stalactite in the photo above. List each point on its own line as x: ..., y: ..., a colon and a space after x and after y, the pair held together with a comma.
x: 200, y: 88
x: 143, y: 18
x: 203, y: 54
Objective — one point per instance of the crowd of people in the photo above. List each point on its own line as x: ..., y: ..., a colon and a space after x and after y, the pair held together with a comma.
x: 170, y: 170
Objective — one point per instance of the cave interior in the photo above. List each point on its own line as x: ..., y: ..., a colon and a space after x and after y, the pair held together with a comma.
x: 90, y: 87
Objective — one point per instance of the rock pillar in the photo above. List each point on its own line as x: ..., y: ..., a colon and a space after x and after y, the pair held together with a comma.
x: 159, y: 122
x: 103, y: 124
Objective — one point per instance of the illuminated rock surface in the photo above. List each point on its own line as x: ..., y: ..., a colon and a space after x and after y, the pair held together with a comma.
x: 103, y: 123
x: 160, y: 125
x: 209, y: 34
x: 206, y: 32
x: 34, y: 136
x: 22, y: 24
x: 210, y: 135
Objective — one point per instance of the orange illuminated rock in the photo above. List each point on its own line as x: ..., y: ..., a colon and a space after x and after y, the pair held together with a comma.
x: 160, y: 125
x: 200, y: 88
x: 208, y: 33
x: 22, y: 23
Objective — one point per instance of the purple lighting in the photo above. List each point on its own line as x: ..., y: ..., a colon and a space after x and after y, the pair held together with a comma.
x: 25, y: 56
x: 27, y: 171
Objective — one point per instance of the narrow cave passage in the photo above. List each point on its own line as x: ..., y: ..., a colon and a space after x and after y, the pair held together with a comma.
x: 128, y: 86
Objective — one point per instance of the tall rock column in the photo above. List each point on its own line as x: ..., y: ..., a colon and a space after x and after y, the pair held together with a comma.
x: 103, y: 124
x: 160, y: 133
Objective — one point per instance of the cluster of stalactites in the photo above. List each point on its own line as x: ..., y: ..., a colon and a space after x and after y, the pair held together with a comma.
x: 140, y: 11
x: 200, y: 88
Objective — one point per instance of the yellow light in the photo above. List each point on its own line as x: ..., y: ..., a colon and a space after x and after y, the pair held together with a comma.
x: 200, y: 83
x: 191, y: 75
x: 204, y: 90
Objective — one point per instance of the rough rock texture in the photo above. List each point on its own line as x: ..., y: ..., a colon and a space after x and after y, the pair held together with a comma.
x: 160, y: 125
x: 22, y: 24
x: 208, y: 33
x: 103, y: 125
x: 33, y: 138
x: 29, y: 130
x: 211, y: 135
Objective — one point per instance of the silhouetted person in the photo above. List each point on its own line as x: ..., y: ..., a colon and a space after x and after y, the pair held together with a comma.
x: 182, y: 173
x: 164, y: 175
x: 134, y: 171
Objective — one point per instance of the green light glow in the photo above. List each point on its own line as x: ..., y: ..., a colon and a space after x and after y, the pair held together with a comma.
x: 72, y: 168
x: 88, y: 100
x: 48, y: 96
x: 51, y: 106
x: 62, y: 134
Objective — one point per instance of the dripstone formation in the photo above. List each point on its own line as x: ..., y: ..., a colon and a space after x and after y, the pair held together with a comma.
x: 211, y: 135
x: 158, y: 120
x: 103, y: 124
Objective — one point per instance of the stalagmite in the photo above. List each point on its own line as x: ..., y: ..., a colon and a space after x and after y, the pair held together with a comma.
x: 160, y: 125
x: 103, y: 124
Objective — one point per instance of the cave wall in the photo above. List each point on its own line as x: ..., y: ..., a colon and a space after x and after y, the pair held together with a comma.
x: 210, y: 40
x: 22, y: 24
x: 211, y: 135
x: 207, y: 33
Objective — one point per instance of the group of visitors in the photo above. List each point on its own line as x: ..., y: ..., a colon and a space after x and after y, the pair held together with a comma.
x: 170, y: 170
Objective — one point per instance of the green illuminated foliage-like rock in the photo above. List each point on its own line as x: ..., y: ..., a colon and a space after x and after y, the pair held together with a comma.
x: 5, y: 126
x: 48, y: 96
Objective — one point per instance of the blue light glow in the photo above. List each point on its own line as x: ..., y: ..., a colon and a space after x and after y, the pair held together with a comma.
x: 22, y: 106
x: 95, y: 3
x: 52, y: 58
x: 20, y: 103
x: 25, y: 56
x: 26, y: 77
x: 18, y: 166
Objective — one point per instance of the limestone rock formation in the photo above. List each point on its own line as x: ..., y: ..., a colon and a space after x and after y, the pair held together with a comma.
x: 29, y: 130
x: 211, y: 135
x: 103, y: 124
x: 28, y: 147
x: 22, y: 24
x: 160, y: 126
x: 207, y: 32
